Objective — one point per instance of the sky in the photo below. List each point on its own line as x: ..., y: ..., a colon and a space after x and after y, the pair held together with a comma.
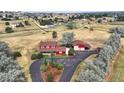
x: 61, y: 5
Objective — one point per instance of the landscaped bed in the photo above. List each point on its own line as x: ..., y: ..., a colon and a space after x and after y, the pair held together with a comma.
x: 51, y: 71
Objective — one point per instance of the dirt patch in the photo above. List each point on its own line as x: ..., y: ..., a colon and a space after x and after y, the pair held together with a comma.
x: 55, y: 73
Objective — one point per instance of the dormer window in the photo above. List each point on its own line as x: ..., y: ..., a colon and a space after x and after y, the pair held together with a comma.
x: 53, y: 46
x: 42, y: 46
x: 47, y: 46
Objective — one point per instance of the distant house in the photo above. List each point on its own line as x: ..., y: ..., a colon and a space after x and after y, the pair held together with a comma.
x: 13, y: 24
x: 16, y: 24
x: 52, y: 47
x: 80, y: 45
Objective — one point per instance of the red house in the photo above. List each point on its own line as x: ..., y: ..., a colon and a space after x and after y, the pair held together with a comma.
x: 51, y: 47
x: 80, y: 45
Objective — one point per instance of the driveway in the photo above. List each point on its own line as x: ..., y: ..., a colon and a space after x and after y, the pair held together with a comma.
x: 35, y: 71
x: 70, y: 65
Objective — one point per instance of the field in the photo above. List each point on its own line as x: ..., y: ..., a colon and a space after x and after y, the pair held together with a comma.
x: 118, y: 75
x: 26, y: 39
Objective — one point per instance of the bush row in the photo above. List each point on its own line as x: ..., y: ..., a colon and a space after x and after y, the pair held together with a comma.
x: 99, y: 68
x: 118, y: 30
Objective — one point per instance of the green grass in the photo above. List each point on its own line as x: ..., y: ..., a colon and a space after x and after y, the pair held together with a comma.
x: 63, y: 56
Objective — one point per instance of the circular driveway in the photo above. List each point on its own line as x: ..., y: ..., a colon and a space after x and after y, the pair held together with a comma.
x: 70, y: 65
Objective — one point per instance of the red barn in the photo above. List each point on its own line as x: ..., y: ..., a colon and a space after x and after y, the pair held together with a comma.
x: 80, y: 45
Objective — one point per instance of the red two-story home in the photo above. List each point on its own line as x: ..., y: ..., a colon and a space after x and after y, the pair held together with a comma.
x: 51, y: 47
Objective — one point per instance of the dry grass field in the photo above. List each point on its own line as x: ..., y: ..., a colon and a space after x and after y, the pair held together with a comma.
x: 2, y: 26
x: 26, y: 41
x: 118, y: 74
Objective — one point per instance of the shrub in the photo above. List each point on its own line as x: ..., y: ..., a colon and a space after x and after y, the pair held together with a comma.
x: 50, y: 77
x: 6, y: 19
x: 54, y: 34
x: 8, y: 30
x: 60, y: 66
x: 27, y: 23
x: 43, y: 68
x: 39, y: 55
x: 91, y: 29
x: 7, y: 23
x: 45, y: 63
x: 118, y: 30
x: 46, y: 22
x: 33, y: 56
x: 71, y: 25
x: 36, y: 56
x: 17, y: 54
x: 71, y: 52
x: 53, y: 64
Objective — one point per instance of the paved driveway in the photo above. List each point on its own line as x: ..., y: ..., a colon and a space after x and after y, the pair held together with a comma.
x: 70, y: 65
x: 35, y: 71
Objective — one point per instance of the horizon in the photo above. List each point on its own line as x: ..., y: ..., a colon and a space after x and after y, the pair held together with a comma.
x: 63, y: 11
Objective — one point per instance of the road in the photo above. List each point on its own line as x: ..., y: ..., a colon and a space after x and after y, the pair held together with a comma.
x: 35, y: 71
x: 70, y: 65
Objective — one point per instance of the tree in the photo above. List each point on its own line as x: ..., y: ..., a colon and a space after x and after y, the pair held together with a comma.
x: 60, y: 66
x: 10, y: 71
x: 50, y: 77
x: 16, y: 54
x: 67, y: 39
x: 91, y: 29
x: 4, y: 48
x: 27, y: 23
x: 96, y: 70
x: 118, y: 30
x: 71, y: 25
x: 56, y: 19
x: 71, y: 52
x: 54, y: 34
x: 46, y: 22
x: 9, y: 30
x: 37, y: 56
x: 99, y: 21
x: 7, y: 23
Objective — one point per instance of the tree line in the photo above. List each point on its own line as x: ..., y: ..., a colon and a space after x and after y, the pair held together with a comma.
x: 10, y: 71
x: 97, y: 70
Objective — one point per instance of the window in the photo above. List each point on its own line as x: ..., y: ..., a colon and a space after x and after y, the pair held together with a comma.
x: 60, y: 52
x: 42, y: 46
x: 47, y: 46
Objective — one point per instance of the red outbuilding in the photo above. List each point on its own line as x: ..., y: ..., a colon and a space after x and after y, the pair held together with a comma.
x: 80, y: 45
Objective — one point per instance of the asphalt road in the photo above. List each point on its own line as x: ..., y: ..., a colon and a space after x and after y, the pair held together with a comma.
x: 70, y: 65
